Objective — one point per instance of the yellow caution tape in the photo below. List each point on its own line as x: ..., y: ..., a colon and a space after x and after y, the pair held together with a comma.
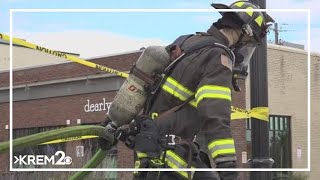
x: 69, y: 139
x: 63, y: 55
x: 237, y: 113
x: 261, y: 113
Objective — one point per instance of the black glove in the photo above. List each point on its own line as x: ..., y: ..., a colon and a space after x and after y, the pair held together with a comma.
x: 108, y: 140
x: 228, y: 175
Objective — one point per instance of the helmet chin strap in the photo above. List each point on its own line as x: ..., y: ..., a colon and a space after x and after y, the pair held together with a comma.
x: 246, y: 30
x: 238, y: 43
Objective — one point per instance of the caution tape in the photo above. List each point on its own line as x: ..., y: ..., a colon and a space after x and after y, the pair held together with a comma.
x: 261, y: 113
x: 69, y: 139
x: 63, y: 55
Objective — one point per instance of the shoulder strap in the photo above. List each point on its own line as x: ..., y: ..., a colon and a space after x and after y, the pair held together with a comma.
x: 174, y: 109
x: 207, y: 42
x: 178, y: 42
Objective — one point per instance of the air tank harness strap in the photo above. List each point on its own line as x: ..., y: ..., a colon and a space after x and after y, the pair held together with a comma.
x: 142, y: 75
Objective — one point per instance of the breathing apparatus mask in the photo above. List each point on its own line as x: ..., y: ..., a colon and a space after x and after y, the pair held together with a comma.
x: 243, y: 50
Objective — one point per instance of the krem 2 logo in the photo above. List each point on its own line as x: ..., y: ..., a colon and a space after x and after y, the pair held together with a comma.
x: 59, y: 158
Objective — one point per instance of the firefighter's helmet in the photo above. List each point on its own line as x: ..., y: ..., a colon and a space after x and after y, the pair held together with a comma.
x: 255, y: 23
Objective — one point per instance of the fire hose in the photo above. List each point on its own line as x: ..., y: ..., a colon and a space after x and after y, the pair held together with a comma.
x: 62, y: 133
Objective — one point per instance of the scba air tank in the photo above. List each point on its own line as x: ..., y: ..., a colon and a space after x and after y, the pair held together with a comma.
x: 131, y: 97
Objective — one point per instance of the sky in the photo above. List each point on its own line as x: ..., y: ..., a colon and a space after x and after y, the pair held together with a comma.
x: 102, y: 33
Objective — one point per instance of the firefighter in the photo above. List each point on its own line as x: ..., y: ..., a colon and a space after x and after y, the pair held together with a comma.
x: 195, y: 97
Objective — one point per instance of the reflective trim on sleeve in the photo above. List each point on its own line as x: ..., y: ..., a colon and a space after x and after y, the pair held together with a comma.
x: 181, y: 92
x: 177, y: 90
x: 214, y: 92
x: 221, y: 147
x: 173, y: 160
x: 179, y: 86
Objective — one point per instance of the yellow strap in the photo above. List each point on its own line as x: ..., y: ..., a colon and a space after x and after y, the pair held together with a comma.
x: 63, y: 55
x: 69, y: 139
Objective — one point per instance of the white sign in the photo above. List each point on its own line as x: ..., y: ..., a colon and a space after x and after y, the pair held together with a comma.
x: 43, y: 159
x: 244, y: 157
x: 95, y: 107
x: 299, y: 152
x: 80, y: 151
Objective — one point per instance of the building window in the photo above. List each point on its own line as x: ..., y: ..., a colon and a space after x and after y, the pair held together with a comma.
x: 48, y: 149
x: 279, y: 142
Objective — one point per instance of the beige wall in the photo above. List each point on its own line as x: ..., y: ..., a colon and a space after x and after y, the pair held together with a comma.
x: 25, y: 57
x: 287, y: 76
x: 315, y: 120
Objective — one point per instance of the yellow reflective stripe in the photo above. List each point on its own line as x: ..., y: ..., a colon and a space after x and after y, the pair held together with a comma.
x: 173, y: 160
x: 223, y: 152
x: 172, y: 92
x: 193, y: 103
x: 213, y: 96
x: 213, y: 91
x: 220, y: 142
x: 250, y: 13
x: 239, y: 4
x: 179, y: 86
x: 259, y: 20
x: 141, y: 155
x: 177, y: 90
x: 213, y: 87
x: 173, y: 166
x: 177, y: 158
x: 221, y: 147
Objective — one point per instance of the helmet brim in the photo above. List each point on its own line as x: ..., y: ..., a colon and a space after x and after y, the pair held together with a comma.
x: 220, y: 6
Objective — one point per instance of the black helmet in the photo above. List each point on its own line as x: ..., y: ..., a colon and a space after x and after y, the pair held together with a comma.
x: 254, y: 23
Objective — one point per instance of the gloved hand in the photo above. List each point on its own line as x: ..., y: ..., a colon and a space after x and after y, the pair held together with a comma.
x: 228, y: 175
x: 108, y: 140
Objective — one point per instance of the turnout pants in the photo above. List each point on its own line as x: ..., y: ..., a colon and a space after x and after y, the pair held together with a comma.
x: 179, y: 155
